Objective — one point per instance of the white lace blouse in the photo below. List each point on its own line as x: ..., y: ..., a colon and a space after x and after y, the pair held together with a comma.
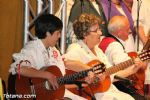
x: 34, y: 54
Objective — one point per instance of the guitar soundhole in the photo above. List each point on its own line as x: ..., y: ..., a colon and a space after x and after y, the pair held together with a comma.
x: 96, y: 81
x: 47, y: 86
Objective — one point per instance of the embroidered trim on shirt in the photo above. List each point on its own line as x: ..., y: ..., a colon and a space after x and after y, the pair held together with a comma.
x: 27, y: 61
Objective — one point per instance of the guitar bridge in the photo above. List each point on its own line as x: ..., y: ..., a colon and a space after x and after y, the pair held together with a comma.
x: 32, y: 89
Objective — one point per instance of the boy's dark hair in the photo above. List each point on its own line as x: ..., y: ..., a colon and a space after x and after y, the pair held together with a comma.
x: 47, y: 23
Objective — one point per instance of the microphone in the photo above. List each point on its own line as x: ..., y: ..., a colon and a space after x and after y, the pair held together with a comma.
x: 124, y: 80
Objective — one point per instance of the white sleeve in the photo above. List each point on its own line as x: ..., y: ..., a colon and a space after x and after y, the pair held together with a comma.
x: 24, y: 58
x: 116, y: 53
x: 73, y: 53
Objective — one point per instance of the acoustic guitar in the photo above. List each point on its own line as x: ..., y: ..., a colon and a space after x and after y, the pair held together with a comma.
x: 41, y: 87
x: 139, y: 76
x: 103, y: 86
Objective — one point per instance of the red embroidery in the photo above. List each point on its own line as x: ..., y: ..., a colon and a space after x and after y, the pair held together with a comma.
x: 63, y: 59
x: 20, y: 65
x: 55, y: 54
x: 105, y: 43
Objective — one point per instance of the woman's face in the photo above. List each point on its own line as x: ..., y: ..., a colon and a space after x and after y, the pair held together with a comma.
x: 93, y: 38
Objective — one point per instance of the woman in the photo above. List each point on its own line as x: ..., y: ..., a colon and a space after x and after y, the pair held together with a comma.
x: 87, y: 30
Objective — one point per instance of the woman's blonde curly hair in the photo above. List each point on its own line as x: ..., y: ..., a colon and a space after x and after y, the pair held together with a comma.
x: 83, y: 23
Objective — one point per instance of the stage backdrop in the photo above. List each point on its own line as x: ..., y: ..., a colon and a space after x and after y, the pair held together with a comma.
x: 11, y: 31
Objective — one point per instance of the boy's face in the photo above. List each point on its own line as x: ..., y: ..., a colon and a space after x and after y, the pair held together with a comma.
x: 53, y: 39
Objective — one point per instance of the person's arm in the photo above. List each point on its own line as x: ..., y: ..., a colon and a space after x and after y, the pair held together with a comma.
x: 132, y: 69
x: 31, y: 72
x: 76, y: 65
x: 117, y: 55
x: 79, y: 66
x: 73, y: 59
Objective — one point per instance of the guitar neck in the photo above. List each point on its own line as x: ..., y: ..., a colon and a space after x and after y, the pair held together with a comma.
x: 119, y: 67
x: 79, y: 75
x: 143, y: 56
x: 73, y: 77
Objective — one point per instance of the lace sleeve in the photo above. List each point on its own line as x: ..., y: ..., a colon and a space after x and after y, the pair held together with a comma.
x: 24, y: 58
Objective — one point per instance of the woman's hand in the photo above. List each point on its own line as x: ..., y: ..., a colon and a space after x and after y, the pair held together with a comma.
x: 102, y: 77
x: 139, y: 64
x: 95, y: 78
x: 90, y: 78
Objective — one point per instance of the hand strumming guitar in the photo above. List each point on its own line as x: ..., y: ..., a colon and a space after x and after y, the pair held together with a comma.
x: 52, y: 80
x: 90, y: 78
x: 93, y: 78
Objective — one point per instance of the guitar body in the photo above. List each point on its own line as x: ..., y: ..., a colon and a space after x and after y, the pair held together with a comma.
x: 138, y: 77
x: 101, y: 86
x: 91, y: 88
x: 24, y: 84
x: 40, y: 87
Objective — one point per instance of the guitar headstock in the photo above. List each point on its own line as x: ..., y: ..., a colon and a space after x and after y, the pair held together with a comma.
x: 98, y: 68
x: 145, y: 55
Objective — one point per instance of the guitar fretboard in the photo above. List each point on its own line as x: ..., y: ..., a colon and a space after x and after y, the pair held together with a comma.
x: 119, y: 67
x: 78, y: 75
x: 143, y: 56
x: 73, y: 77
